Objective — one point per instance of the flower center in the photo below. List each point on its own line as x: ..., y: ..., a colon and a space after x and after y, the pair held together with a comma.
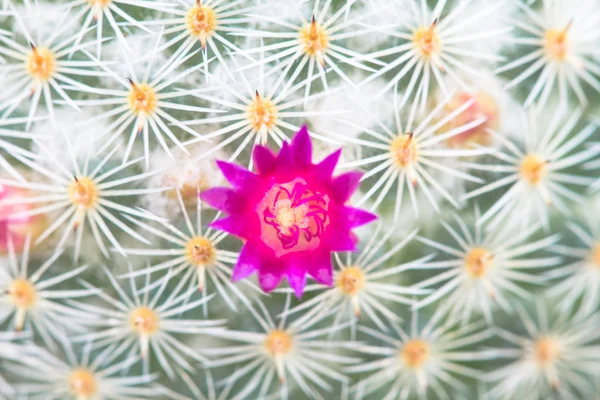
x: 477, y: 262
x: 595, y: 256
x: 142, y: 99
x: 83, y: 384
x: 83, y: 192
x: 314, y: 40
x: 144, y: 321
x: 262, y: 113
x: 200, y: 252
x: 557, y: 43
x: 278, y: 343
x: 415, y: 353
x: 99, y: 3
x: 426, y: 40
x: 546, y: 351
x: 22, y: 293
x: 533, y: 169
x: 201, y: 22
x: 483, y: 105
x: 404, y: 150
x: 351, y: 281
x: 41, y: 63
x: 293, y: 217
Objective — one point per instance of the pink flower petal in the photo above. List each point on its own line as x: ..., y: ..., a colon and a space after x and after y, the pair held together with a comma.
x: 264, y: 159
x: 357, y: 217
x: 243, y: 226
x: 296, y: 277
x: 224, y: 199
x: 341, y: 242
x: 238, y: 176
x: 321, y: 268
x: 248, y: 262
x: 269, y: 277
x: 302, y: 148
x: 285, y: 163
x: 344, y: 185
x: 327, y: 166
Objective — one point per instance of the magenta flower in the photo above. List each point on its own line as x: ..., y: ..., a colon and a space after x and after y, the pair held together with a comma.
x: 291, y: 214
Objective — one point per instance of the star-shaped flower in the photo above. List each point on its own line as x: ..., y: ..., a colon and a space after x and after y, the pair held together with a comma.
x: 292, y: 214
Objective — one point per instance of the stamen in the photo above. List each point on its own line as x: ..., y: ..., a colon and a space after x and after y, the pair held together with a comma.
x: 293, y: 216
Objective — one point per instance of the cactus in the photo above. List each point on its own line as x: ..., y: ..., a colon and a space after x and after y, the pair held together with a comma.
x: 299, y: 199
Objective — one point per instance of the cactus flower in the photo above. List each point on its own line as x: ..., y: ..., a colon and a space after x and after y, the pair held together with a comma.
x: 291, y: 214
